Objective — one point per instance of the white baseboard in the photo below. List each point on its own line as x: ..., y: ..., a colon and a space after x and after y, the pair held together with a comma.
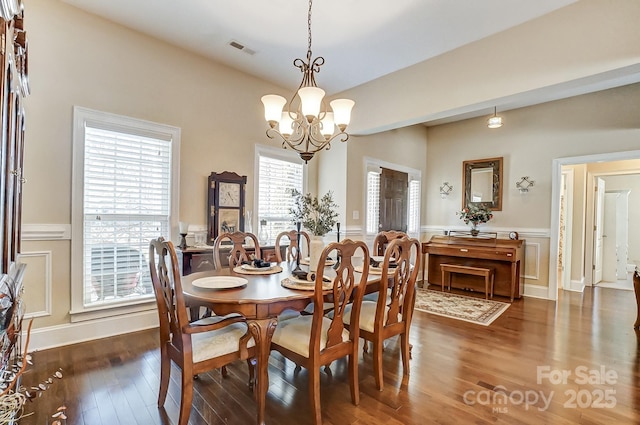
x: 536, y: 291
x: 576, y: 286
x: 73, y: 333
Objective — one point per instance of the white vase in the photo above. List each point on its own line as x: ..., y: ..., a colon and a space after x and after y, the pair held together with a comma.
x: 315, y: 250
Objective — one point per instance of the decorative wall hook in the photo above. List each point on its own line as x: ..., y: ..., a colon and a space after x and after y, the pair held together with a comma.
x: 524, y: 184
x: 445, y: 189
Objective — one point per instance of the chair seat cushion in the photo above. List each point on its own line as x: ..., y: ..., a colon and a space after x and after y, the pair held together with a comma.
x: 295, y: 334
x: 207, y: 345
x: 367, y: 315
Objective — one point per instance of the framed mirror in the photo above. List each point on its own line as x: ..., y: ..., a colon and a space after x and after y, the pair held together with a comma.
x: 482, y: 179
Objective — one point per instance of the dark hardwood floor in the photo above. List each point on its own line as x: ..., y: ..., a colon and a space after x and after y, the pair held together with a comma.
x: 460, y: 373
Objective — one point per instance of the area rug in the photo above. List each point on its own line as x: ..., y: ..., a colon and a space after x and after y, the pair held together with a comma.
x: 474, y: 310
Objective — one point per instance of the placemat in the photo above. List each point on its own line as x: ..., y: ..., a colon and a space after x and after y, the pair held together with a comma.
x: 293, y: 283
x: 329, y: 262
x: 272, y: 270
x: 372, y: 270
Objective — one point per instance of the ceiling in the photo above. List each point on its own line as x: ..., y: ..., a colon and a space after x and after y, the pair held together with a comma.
x: 360, y: 40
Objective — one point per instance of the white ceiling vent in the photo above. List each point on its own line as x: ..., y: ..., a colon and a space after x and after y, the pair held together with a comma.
x: 242, y: 47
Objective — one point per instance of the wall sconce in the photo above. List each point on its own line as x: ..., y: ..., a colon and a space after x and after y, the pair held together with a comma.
x: 524, y: 184
x: 495, y: 121
x: 445, y: 190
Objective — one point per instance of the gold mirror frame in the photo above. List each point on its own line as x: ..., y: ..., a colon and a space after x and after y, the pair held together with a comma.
x: 495, y: 164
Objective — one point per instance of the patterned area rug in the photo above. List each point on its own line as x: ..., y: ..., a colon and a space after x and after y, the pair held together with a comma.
x: 474, y: 310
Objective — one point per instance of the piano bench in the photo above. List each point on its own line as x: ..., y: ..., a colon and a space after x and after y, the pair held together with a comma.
x: 486, y: 272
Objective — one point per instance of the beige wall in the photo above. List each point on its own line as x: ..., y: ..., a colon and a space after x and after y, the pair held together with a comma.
x: 574, y: 42
x: 531, y: 138
x: 79, y: 59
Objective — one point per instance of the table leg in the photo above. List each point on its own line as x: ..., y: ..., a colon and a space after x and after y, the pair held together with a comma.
x: 514, y: 280
x: 262, y: 331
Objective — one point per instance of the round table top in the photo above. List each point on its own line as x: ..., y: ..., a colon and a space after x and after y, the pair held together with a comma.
x: 260, y: 289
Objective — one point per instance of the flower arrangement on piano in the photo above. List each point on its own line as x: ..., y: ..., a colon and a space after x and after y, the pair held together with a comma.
x: 318, y: 216
x: 475, y: 214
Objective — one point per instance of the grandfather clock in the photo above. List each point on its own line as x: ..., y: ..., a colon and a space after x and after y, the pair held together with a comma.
x: 226, y: 204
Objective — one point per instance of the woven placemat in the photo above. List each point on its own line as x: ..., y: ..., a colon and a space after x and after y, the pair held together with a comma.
x: 293, y: 283
x: 329, y: 262
x: 272, y: 270
x: 372, y: 270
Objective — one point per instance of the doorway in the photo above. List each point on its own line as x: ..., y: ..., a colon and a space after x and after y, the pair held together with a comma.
x: 582, y: 269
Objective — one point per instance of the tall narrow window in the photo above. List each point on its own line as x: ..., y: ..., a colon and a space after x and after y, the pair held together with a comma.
x: 126, y: 200
x: 373, y: 201
x: 414, y: 207
x: 277, y: 174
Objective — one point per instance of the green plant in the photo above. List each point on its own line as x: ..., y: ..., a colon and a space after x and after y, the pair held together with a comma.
x: 475, y: 214
x: 317, y: 216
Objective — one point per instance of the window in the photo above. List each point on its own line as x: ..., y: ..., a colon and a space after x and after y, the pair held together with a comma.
x: 414, y: 207
x: 279, y: 172
x: 373, y: 201
x: 123, y: 197
x: 373, y: 170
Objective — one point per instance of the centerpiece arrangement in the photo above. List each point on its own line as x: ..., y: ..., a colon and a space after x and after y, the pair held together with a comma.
x: 475, y: 214
x: 317, y: 216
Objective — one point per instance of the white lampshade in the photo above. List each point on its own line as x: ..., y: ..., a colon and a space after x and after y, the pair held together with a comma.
x: 286, y: 124
x: 327, y: 124
x: 342, y: 111
x: 183, y: 227
x: 273, y: 105
x: 494, y: 122
x: 311, y: 99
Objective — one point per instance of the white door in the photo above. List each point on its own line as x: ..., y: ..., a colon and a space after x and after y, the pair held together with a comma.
x: 609, y: 245
x: 622, y: 234
x: 598, y: 231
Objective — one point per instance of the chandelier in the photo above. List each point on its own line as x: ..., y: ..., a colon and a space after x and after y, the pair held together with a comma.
x: 306, y: 125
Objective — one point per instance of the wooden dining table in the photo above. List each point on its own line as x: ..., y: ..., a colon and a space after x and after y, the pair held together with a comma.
x: 260, y: 301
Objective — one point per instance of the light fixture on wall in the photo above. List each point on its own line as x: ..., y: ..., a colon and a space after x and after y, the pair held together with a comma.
x: 306, y: 125
x: 524, y: 184
x: 495, y: 121
x: 445, y: 190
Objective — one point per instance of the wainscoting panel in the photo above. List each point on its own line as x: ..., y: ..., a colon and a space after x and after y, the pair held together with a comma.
x: 532, y: 260
x: 37, y: 283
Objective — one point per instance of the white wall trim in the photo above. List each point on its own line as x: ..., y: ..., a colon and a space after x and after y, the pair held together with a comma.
x: 73, y: 333
x: 46, y: 232
x: 48, y: 273
x: 536, y: 291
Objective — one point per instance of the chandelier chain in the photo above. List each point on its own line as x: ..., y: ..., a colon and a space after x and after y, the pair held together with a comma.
x: 309, y: 24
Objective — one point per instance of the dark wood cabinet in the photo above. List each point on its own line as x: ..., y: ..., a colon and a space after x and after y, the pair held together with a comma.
x: 193, y: 259
x: 14, y: 87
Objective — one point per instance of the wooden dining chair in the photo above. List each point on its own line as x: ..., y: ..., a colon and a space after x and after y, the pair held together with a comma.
x: 391, y: 314
x: 383, y: 238
x: 237, y: 252
x: 293, y: 250
x: 194, y: 347
x: 316, y: 340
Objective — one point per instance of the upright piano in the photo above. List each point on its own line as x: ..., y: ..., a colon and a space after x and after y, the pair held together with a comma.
x: 505, y: 256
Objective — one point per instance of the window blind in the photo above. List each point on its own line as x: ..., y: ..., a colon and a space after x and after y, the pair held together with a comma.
x: 276, y: 179
x: 414, y: 207
x: 126, y: 203
x: 373, y: 201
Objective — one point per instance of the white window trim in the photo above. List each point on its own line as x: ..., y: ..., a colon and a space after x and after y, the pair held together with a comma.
x: 81, y: 116
x: 375, y: 164
x: 277, y: 153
